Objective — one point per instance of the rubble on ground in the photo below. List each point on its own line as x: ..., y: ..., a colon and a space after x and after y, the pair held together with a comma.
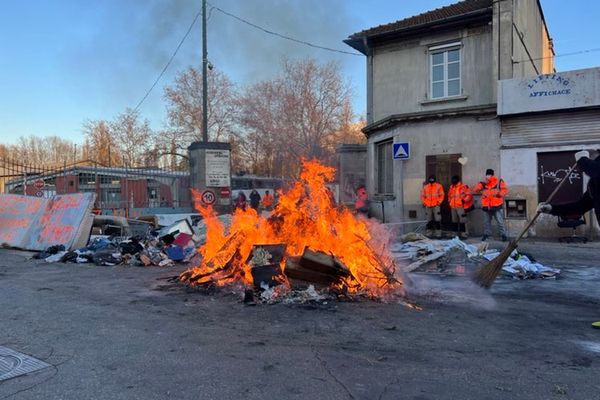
x: 417, y: 253
x: 164, y: 247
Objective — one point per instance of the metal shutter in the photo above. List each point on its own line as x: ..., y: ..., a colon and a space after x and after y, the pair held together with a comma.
x: 577, y: 127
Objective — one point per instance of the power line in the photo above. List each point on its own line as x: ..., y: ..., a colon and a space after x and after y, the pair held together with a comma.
x: 560, y: 55
x: 283, y: 36
x: 169, y: 62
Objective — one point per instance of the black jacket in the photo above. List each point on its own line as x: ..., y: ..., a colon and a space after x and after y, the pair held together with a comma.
x: 591, y: 198
x: 254, y: 199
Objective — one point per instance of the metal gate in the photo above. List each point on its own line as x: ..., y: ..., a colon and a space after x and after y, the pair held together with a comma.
x: 119, y: 190
x: 18, y: 177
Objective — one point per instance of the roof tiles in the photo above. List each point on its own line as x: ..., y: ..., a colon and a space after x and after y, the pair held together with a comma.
x: 439, y: 14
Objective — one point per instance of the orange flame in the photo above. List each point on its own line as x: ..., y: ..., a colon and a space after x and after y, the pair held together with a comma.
x: 305, y: 216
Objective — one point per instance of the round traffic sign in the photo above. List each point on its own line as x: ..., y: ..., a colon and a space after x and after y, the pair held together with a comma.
x: 208, y: 197
x: 225, y: 192
x: 39, y: 184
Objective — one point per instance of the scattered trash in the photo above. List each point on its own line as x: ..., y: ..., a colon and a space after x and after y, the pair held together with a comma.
x: 456, y: 257
x: 58, y: 248
x: 151, y: 248
x: 521, y: 267
x: 183, y: 239
x: 107, y: 257
x: 265, y: 261
x: 412, y: 237
x: 181, y: 226
x: 56, y: 257
x: 175, y: 253
x: 285, y: 295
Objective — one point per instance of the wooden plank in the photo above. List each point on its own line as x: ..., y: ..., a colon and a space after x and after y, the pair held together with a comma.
x: 294, y: 270
x: 323, y: 263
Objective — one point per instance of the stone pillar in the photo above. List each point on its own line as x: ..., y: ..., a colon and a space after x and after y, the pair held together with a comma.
x: 210, y: 173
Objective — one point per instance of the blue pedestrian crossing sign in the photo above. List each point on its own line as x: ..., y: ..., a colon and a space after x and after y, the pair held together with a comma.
x: 401, y: 151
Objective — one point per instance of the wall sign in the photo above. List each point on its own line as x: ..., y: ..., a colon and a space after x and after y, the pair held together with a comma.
x: 401, y: 151
x: 564, y: 90
x: 218, y: 173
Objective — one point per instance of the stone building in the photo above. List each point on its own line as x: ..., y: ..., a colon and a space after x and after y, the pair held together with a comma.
x: 432, y: 83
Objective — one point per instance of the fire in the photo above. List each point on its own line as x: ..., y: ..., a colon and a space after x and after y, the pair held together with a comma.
x: 305, y: 216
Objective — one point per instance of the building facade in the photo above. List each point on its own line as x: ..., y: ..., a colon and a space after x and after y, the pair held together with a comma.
x: 544, y: 120
x: 432, y: 84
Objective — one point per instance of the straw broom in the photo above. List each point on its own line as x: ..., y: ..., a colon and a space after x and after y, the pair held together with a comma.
x: 487, y: 274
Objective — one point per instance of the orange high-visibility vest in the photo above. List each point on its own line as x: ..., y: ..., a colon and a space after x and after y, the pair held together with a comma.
x: 267, y: 200
x: 459, y: 196
x: 432, y: 194
x: 362, y: 198
x: 492, y: 193
x: 467, y: 199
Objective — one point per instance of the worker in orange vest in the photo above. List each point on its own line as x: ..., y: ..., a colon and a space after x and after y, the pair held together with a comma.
x: 361, y: 205
x: 267, y: 201
x: 493, y: 190
x: 432, y: 196
x: 460, y: 200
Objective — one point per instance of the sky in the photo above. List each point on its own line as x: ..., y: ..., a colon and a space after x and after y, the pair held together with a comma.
x: 63, y: 62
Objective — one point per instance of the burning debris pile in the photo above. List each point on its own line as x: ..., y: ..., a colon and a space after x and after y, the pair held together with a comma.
x: 306, y: 242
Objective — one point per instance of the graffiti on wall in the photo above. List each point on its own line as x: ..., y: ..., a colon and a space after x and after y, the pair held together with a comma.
x: 552, y: 168
x: 34, y: 223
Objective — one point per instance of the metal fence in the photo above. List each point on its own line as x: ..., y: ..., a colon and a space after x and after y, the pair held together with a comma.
x: 18, y: 177
x: 119, y: 190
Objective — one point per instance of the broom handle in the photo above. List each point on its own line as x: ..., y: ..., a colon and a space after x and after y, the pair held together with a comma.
x: 537, y: 214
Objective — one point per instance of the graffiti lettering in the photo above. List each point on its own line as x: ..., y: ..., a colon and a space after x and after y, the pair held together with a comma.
x: 550, y: 177
x: 34, y: 223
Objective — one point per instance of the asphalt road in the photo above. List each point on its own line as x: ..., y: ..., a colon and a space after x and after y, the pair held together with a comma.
x: 126, y: 333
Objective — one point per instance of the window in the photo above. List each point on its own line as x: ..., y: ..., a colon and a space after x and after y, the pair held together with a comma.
x: 110, y: 180
x: 87, y: 179
x: 445, y: 71
x: 111, y: 197
x: 385, y: 163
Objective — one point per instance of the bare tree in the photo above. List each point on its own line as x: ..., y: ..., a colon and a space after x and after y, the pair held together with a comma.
x: 100, y: 145
x: 184, y: 108
x: 134, y: 138
x: 300, y: 114
x: 43, y: 151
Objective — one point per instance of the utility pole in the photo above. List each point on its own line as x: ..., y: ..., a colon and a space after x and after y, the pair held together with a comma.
x: 204, y: 77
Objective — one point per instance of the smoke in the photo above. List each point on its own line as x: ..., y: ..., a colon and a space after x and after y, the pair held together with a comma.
x: 253, y: 55
x: 243, y: 52
x: 153, y: 29
x: 450, y: 290
x: 128, y: 43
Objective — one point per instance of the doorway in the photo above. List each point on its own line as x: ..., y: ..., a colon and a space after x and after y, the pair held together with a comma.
x: 444, y: 167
